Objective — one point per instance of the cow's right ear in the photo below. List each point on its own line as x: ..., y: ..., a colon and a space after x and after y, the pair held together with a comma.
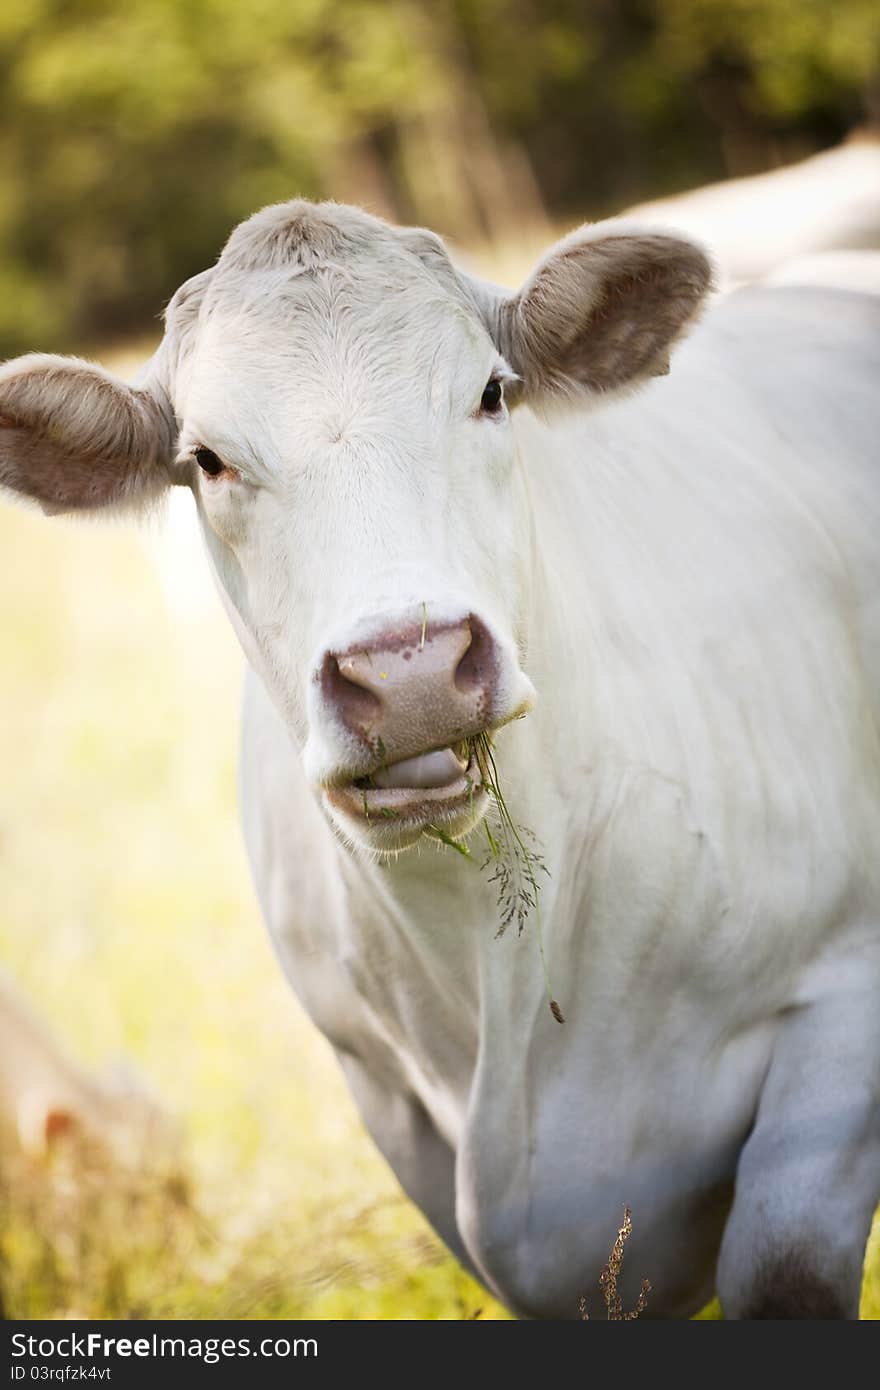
x: 73, y: 437
x: 600, y: 313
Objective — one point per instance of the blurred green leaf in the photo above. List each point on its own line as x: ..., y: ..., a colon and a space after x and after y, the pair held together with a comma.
x: 132, y: 137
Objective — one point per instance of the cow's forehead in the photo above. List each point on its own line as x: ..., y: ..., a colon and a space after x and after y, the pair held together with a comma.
x: 321, y: 294
x: 394, y: 304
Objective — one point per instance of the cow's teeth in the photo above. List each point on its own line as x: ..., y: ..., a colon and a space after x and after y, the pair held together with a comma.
x: 437, y: 769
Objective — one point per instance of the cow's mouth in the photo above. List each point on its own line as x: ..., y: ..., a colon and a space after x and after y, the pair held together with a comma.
x: 435, y: 788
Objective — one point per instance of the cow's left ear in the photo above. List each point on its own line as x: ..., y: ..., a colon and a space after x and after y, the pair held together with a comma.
x: 75, y: 438
x: 601, y: 312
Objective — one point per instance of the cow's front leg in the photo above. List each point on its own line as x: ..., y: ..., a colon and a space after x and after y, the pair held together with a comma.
x: 408, y: 1139
x: 809, y: 1176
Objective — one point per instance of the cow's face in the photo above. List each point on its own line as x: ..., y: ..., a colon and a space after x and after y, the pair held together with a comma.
x: 338, y: 398
x: 345, y: 431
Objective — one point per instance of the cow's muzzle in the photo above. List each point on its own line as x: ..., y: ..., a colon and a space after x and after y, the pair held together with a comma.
x: 406, y: 707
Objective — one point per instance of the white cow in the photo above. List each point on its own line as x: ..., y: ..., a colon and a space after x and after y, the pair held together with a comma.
x: 826, y: 204
x: 431, y: 508
x: 841, y: 270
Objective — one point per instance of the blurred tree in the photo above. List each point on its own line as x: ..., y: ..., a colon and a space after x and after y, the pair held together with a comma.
x: 133, y: 136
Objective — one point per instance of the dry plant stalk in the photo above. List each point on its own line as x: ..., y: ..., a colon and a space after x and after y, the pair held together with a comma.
x: 609, y: 1277
x: 514, y: 858
x: 516, y: 864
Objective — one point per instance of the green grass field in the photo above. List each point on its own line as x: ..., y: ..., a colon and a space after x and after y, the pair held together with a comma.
x: 129, y: 920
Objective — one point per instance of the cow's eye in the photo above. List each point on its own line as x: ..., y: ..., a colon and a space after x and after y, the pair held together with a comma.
x: 492, y: 397
x: 209, y: 462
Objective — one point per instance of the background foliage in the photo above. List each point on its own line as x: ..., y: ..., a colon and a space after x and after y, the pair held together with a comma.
x: 133, y: 136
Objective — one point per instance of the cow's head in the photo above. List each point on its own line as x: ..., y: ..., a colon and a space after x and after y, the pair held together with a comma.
x: 337, y: 396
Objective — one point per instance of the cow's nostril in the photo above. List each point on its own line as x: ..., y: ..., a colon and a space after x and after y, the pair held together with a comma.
x: 360, y: 708
x: 412, y: 689
x: 476, y: 670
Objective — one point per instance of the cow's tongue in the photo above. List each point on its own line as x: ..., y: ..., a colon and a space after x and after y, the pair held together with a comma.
x: 437, y: 769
